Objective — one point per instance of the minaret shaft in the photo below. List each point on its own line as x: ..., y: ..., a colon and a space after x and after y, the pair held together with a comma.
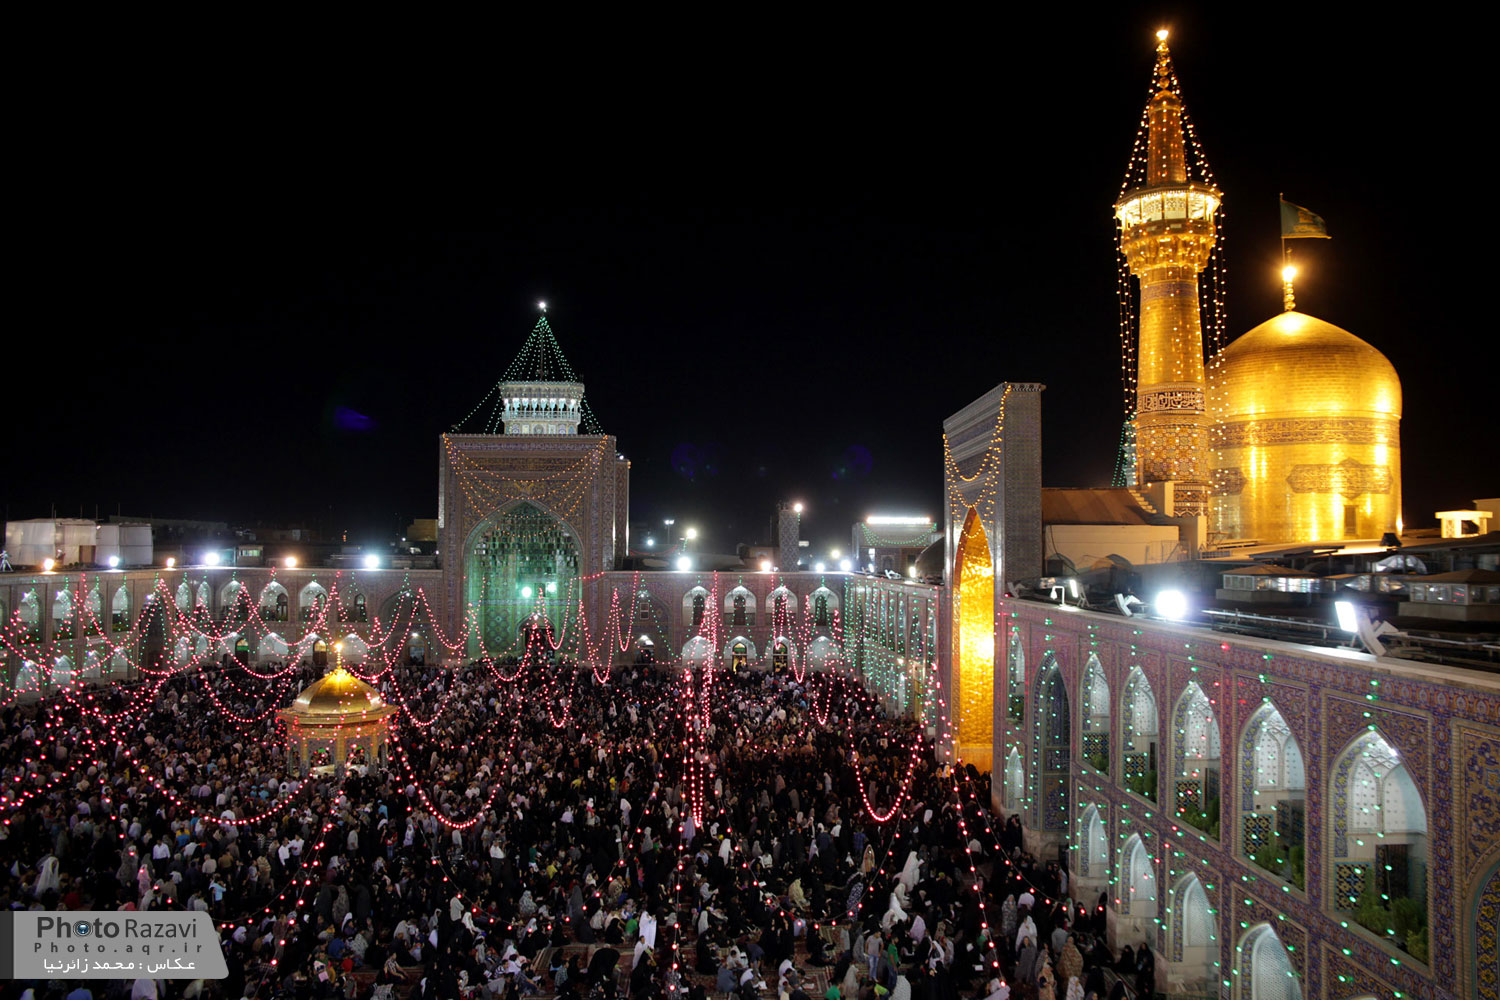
x: 1167, y: 235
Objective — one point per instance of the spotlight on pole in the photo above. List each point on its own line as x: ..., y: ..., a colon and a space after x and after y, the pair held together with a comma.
x: 1348, y: 619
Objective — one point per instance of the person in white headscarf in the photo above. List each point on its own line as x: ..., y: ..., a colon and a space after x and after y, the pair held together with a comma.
x: 48, y: 877
x: 896, y: 911
x: 648, y: 929
x: 1026, y: 930
x: 911, y: 872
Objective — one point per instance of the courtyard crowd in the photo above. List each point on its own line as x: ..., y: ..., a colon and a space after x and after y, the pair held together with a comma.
x: 541, y: 830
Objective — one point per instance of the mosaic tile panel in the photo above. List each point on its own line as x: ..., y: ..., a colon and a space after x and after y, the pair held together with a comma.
x: 1188, y: 795
x: 1257, y: 832
x: 1486, y: 937
x: 1349, y: 880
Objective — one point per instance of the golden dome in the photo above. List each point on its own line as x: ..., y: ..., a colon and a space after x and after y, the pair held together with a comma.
x: 1298, y: 364
x: 338, y: 693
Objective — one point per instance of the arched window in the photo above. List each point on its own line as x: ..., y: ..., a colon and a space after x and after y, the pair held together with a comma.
x: 1138, y: 881
x: 62, y: 672
x: 274, y: 602
x: 740, y: 618
x: 1095, y: 716
x: 1265, y: 969
x: 1015, y: 780
x: 781, y: 655
x: 1273, y: 797
x: 694, y: 607
x: 1093, y: 850
x: 1015, y: 674
x: 1380, y: 843
x: 119, y: 611
x: 1138, y: 764
x: 1196, y: 752
x: 62, y: 614
x: 184, y: 599
x: 311, y: 601
x: 820, y: 611
x: 1190, y: 933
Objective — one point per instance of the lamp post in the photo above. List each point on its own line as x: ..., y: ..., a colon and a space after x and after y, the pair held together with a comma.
x: 669, y: 522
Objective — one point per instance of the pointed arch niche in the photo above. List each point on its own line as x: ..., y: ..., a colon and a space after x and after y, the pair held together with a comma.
x: 1379, y: 844
x: 1054, y: 752
x: 1137, y: 903
x: 973, y: 684
x: 1264, y: 969
x: 1273, y: 796
x: 1195, y: 761
x: 1192, y: 938
x: 1138, y: 735
x: 1095, y: 716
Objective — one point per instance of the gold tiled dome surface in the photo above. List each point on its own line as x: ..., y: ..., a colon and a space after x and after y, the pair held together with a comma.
x: 1305, y: 435
x: 338, y: 693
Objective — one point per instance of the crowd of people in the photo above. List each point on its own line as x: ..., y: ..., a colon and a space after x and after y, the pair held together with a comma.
x: 541, y: 830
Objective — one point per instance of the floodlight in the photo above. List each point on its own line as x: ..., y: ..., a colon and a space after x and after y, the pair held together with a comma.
x: 1171, y: 604
x: 291, y: 562
x: 372, y: 561
x: 212, y: 558
x: 1348, y: 619
x: 684, y: 563
x: 114, y: 562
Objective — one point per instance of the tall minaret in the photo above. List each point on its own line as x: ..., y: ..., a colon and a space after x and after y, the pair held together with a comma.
x: 1167, y: 234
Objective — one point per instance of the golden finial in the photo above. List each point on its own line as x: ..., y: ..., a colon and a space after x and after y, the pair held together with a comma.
x: 1163, y: 62
x: 1288, y: 302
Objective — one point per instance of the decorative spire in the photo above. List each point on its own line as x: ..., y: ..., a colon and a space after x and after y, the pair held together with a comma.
x: 1288, y: 301
x: 1166, y: 157
x: 540, y: 382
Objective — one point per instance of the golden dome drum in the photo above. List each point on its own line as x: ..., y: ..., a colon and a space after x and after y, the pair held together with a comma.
x: 1305, y: 435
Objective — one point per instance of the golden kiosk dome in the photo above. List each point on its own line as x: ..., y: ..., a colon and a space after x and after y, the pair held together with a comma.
x: 339, y: 693
x: 336, y: 713
x: 1305, y: 435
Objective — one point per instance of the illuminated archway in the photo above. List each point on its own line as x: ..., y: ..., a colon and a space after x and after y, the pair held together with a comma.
x: 973, y: 686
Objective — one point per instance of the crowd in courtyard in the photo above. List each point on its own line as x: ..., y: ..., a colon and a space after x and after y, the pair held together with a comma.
x: 539, y: 829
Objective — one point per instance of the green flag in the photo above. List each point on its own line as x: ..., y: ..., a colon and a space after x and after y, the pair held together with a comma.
x: 1297, y: 222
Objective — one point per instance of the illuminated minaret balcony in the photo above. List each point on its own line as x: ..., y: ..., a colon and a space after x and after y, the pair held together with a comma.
x: 1166, y: 228
x: 541, y: 407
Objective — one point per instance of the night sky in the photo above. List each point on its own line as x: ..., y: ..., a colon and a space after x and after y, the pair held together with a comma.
x: 777, y: 262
